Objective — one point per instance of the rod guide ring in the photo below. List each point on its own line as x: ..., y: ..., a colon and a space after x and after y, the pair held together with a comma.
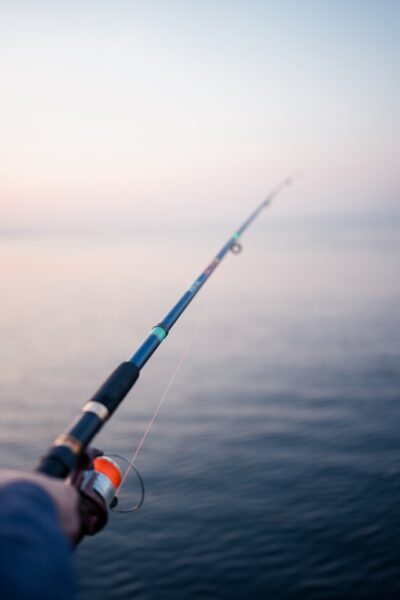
x: 236, y: 248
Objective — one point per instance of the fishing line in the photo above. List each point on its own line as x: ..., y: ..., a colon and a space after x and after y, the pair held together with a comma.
x: 131, y: 463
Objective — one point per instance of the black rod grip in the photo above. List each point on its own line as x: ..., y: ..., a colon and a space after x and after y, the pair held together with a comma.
x: 63, y: 457
x: 116, y: 387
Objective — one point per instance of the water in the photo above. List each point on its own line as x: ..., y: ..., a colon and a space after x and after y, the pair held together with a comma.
x: 273, y: 468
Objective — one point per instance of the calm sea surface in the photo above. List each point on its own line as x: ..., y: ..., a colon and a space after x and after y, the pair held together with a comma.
x: 273, y: 468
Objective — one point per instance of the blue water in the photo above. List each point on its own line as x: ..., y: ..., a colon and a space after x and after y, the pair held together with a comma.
x: 273, y: 468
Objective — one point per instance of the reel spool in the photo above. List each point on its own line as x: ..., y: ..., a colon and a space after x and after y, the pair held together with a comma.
x: 98, y: 485
x: 98, y: 489
x: 107, y: 478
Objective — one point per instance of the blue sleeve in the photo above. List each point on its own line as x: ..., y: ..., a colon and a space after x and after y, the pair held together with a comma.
x: 35, y: 556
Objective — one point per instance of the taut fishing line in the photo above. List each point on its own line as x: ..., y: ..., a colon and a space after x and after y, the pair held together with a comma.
x: 131, y: 462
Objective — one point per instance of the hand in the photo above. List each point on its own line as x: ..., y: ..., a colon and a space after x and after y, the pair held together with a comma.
x: 64, y: 496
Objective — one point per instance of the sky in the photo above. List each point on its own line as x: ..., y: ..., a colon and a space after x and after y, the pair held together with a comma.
x: 116, y: 113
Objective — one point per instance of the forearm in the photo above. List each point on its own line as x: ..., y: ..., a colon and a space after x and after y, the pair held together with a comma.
x: 36, y: 559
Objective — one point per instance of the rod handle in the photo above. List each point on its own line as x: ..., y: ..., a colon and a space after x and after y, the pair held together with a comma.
x: 66, y: 453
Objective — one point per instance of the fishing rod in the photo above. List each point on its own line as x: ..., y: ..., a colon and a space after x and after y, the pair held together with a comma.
x: 96, y: 476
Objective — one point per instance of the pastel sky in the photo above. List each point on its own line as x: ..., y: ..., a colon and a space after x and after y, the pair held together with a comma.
x: 119, y: 112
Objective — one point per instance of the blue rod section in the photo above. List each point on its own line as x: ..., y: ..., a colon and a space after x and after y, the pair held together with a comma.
x: 147, y: 348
